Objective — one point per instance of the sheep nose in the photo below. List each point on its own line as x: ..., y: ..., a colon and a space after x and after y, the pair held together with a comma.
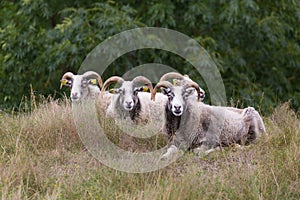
x: 177, y: 108
x: 74, y: 95
x: 128, y: 103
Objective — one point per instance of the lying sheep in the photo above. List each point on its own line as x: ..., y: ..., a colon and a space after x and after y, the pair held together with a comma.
x: 82, y: 86
x: 132, y: 111
x: 129, y: 100
x: 256, y: 125
x: 194, y: 124
x: 180, y: 80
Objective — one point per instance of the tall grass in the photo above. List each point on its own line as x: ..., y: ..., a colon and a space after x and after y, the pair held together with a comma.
x: 42, y: 157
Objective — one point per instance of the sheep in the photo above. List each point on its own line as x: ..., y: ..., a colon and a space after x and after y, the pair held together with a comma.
x: 179, y: 79
x: 85, y: 94
x: 132, y: 110
x: 129, y: 101
x: 196, y: 125
x: 82, y: 86
x: 256, y: 124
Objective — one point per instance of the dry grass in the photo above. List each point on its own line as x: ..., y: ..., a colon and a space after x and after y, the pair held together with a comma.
x: 42, y: 157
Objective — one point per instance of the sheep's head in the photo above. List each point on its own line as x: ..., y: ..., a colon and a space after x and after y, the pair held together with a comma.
x: 79, y: 83
x: 177, y: 95
x: 180, y: 80
x: 128, y: 90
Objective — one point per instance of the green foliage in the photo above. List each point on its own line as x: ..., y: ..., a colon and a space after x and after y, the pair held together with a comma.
x: 255, y: 44
x: 37, y: 47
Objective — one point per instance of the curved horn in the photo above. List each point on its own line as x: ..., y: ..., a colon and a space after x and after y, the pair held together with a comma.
x: 92, y: 73
x: 113, y: 79
x: 171, y: 75
x: 66, y: 76
x: 145, y: 80
x: 193, y: 84
x: 158, y: 85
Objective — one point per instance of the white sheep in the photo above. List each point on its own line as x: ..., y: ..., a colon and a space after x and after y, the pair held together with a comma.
x: 130, y: 102
x: 194, y: 124
x: 132, y: 109
x: 180, y: 80
x: 82, y: 86
x: 256, y: 124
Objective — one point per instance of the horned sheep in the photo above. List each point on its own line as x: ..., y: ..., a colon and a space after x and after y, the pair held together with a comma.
x: 82, y: 86
x: 194, y: 124
x: 131, y: 102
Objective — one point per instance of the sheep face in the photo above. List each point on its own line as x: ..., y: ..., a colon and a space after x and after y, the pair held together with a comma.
x: 177, y: 97
x: 79, y: 88
x: 81, y: 85
x: 128, y: 98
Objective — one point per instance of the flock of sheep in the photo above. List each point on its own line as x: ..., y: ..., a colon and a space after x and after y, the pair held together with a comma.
x: 188, y: 123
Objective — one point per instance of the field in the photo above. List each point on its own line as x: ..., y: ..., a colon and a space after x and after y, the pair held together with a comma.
x: 42, y: 157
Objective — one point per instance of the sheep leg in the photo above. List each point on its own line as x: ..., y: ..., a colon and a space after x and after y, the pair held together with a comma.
x: 204, y: 151
x: 237, y: 146
x: 172, y: 150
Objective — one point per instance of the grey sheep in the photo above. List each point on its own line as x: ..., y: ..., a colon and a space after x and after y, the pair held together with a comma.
x: 196, y: 125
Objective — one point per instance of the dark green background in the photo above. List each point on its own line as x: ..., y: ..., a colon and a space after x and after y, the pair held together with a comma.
x: 255, y: 44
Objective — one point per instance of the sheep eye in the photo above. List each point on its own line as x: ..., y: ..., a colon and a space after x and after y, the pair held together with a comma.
x: 69, y: 83
x: 84, y: 83
x: 187, y: 93
x: 121, y: 91
x: 136, y: 90
x: 170, y: 95
x: 202, y: 96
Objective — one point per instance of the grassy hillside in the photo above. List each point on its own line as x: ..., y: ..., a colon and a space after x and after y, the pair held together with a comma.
x: 42, y: 157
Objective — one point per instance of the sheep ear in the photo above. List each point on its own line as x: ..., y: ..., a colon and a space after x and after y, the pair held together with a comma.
x: 141, y: 89
x: 93, y: 81
x: 65, y: 82
x: 115, y: 90
x: 146, y: 89
x: 176, y: 82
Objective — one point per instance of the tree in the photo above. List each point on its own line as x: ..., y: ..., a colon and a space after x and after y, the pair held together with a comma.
x: 38, y: 47
x: 255, y: 44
